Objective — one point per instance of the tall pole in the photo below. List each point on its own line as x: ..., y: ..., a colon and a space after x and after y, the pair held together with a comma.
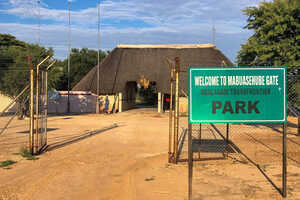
x: 176, y: 121
x: 69, y: 56
x: 39, y: 21
x: 98, y: 66
x: 31, y: 106
x: 214, y: 34
x: 171, y: 113
x: 190, y: 162
x: 46, y: 105
x: 37, y: 103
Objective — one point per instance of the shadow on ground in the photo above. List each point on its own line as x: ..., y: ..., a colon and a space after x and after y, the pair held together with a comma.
x: 78, y: 138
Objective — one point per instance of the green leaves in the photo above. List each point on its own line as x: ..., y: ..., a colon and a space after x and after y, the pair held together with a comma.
x: 81, y: 62
x: 14, y: 67
x: 276, y: 40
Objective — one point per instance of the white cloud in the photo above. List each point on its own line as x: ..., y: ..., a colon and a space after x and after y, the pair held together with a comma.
x: 159, y: 21
x: 56, y: 36
x: 154, y: 12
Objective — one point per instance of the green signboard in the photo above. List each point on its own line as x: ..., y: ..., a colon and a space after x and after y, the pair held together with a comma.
x: 237, y: 95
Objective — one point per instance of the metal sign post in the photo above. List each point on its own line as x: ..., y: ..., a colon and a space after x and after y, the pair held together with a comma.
x: 190, y: 162
x: 284, y: 163
x: 237, y: 95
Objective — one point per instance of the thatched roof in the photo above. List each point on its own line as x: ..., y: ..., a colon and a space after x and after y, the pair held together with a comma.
x: 129, y: 62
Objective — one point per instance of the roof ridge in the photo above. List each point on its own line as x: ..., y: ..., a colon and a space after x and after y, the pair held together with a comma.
x: 171, y: 46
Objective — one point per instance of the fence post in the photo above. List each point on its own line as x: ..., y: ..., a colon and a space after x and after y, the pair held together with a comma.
x: 31, y: 128
x: 190, y: 162
x: 46, y: 105
x: 299, y: 124
x: 200, y: 138
x: 284, y: 163
x: 171, y: 113
x: 176, y: 121
x: 37, y: 110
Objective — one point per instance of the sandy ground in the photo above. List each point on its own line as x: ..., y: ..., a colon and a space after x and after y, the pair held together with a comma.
x: 124, y: 156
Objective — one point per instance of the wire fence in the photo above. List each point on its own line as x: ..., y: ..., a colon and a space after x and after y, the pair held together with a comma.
x: 257, y: 148
x: 13, y: 129
x: 15, y: 114
x: 41, y: 111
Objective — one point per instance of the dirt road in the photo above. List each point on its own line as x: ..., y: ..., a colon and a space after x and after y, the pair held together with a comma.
x: 123, y: 157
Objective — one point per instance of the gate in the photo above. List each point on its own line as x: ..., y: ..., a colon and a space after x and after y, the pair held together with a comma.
x: 38, y: 107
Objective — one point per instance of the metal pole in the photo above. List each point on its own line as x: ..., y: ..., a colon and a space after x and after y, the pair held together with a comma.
x: 227, y: 138
x: 46, y: 105
x: 227, y: 133
x: 31, y: 128
x: 37, y: 110
x: 42, y: 107
x: 176, y: 121
x: 39, y: 22
x: 200, y: 135
x: 299, y: 124
x: 214, y: 34
x: 190, y: 162
x: 284, y: 163
x: 171, y: 113
x: 69, y: 48
x: 98, y: 67
x: 46, y: 101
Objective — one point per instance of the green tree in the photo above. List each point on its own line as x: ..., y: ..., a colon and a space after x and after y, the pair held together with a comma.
x: 81, y: 62
x: 7, y: 40
x: 276, y: 38
x: 14, y: 68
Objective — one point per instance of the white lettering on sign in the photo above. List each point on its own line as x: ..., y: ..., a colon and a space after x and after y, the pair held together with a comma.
x: 235, y: 80
x: 246, y: 80
x: 206, y: 80
x: 271, y: 80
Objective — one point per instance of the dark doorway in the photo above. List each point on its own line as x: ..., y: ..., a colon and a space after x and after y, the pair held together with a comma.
x: 147, y: 97
x: 131, y: 91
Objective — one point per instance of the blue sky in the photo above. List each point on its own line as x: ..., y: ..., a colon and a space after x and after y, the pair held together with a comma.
x: 128, y: 22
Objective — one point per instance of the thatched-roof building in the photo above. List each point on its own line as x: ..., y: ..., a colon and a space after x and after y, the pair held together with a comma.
x: 126, y: 64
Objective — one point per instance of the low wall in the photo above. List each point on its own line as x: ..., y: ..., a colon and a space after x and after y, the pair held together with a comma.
x: 80, y: 102
x: 4, y: 102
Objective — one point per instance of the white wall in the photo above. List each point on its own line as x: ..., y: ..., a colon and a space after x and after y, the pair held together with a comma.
x: 80, y: 102
x: 4, y: 102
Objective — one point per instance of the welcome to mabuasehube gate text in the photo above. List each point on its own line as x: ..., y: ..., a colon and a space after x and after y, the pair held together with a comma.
x: 235, y: 80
